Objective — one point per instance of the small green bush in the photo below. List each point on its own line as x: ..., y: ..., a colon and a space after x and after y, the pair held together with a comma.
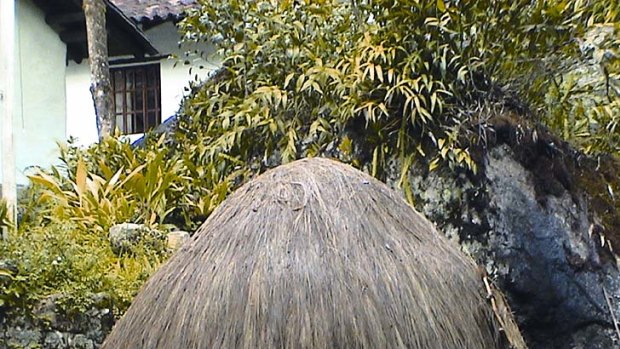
x: 112, y: 182
x: 61, y: 246
x: 5, y: 219
x: 62, y: 259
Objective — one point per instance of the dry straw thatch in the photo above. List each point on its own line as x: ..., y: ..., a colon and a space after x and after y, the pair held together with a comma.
x: 313, y: 254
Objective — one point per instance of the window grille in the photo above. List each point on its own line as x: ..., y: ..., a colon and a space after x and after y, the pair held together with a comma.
x: 137, y: 97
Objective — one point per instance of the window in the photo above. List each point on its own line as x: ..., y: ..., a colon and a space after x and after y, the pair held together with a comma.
x: 137, y: 97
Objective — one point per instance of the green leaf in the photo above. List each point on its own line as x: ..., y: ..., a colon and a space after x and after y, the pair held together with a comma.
x: 441, y: 6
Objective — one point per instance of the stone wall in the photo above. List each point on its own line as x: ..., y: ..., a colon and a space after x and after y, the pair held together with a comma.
x: 47, y: 327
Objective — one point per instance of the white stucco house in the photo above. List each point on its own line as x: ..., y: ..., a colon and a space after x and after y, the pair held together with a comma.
x: 52, y: 77
x: 147, y: 89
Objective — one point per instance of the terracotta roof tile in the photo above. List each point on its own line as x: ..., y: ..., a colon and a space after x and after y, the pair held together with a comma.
x: 148, y: 10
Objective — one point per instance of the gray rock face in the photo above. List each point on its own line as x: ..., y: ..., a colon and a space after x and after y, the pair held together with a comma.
x: 126, y: 236
x: 175, y: 239
x: 554, y: 274
x: 540, y: 252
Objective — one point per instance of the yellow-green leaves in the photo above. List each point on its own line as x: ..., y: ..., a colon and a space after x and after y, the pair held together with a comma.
x: 441, y: 6
x: 301, y: 75
x: 5, y: 220
x: 111, y: 183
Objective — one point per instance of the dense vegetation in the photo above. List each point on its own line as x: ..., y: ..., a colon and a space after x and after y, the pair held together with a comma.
x: 368, y: 81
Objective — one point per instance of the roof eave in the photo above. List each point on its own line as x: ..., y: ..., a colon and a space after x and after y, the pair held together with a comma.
x: 131, y: 28
x: 66, y: 17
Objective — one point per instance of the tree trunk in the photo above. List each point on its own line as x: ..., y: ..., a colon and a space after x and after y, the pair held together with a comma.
x: 100, y: 87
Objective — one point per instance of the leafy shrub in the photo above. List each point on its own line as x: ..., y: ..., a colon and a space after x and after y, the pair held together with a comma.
x: 299, y: 76
x: 62, y: 246
x: 112, y: 182
x: 5, y: 219
x: 63, y: 259
x: 583, y: 103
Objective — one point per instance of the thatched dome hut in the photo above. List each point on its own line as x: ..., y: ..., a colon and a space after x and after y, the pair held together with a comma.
x: 313, y: 254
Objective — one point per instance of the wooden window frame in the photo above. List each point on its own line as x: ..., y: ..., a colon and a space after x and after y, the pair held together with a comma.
x: 133, y: 110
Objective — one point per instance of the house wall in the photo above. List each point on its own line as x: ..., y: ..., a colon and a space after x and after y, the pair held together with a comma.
x: 39, y: 119
x: 175, y: 76
x: 81, y: 122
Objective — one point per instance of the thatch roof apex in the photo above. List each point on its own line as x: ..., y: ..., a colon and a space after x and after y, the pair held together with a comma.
x: 313, y: 254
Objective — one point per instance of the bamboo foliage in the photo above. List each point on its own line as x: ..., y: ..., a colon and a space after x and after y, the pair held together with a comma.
x: 298, y: 74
